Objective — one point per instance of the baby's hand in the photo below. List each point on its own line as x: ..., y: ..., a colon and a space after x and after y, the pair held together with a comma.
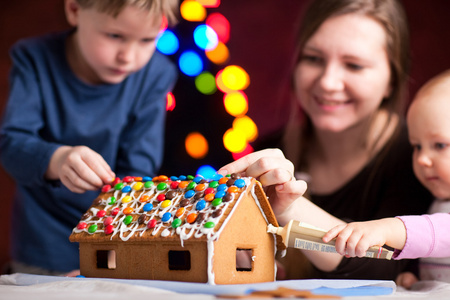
x: 354, y: 239
x: 79, y: 168
x: 274, y: 172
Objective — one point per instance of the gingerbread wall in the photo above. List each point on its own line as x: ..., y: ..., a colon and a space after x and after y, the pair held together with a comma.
x: 262, y: 32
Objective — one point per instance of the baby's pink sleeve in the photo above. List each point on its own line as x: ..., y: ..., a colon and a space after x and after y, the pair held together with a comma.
x: 426, y: 236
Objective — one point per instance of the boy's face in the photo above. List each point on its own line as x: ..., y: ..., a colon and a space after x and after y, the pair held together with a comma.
x: 108, y: 49
x: 429, y: 133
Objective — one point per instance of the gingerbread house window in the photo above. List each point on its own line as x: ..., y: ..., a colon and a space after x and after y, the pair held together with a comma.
x: 179, y: 260
x: 106, y: 259
x: 244, y: 260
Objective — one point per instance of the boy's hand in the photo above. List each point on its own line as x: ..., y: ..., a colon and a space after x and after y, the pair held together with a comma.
x: 354, y: 239
x: 79, y: 168
x: 274, y: 172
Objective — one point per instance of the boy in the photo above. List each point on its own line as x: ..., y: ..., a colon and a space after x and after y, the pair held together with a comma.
x: 416, y: 236
x: 82, y: 103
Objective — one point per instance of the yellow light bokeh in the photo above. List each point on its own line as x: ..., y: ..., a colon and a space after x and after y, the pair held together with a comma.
x: 218, y: 55
x: 220, y: 85
x: 196, y: 145
x: 236, y: 103
x: 235, y: 78
x: 246, y: 125
x: 192, y: 11
x: 234, y: 140
x: 209, y: 3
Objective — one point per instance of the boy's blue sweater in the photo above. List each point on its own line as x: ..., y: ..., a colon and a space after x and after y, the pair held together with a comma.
x: 48, y: 107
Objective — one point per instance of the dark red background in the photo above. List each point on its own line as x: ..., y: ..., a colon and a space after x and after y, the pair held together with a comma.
x: 262, y: 35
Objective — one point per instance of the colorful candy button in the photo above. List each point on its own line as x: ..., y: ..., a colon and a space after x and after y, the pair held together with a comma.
x: 128, y: 219
x: 220, y: 194
x: 112, y: 200
x: 137, y: 186
x: 200, y: 187
x: 182, y: 177
x: 106, y: 188
x: 161, y: 186
x: 180, y: 212
x: 189, y: 177
x: 217, y: 176
x: 200, y: 205
x: 108, y: 221
x: 126, y: 199
x: 127, y: 179
x: 233, y: 189
x: 210, y: 190
x: 161, y: 197
x: 223, y: 180
x: 191, y: 218
x: 189, y: 194
x: 166, y: 203
x: 213, y: 184
x: 115, y: 211
x: 197, y: 179
x: 148, y: 207
x: 174, y: 185
x: 166, y: 217
x: 151, y: 224
x: 176, y: 223
x: 191, y: 185
x: 183, y: 184
x: 126, y: 189
x: 116, y: 181
x: 173, y: 178
x: 81, y: 225
x: 109, y: 229
x: 118, y: 186
x: 127, y: 210
x: 216, y: 202
x: 137, y: 178
x: 92, y: 228
x: 209, y: 197
x: 144, y: 198
x: 101, y: 213
x: 147, y: 178
x: 239, y: 183
x: 209, y: 225
x: 222, y: 187
x: 148, y: 184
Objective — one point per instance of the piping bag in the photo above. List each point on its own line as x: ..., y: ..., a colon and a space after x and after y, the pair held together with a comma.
x: 304, y: 236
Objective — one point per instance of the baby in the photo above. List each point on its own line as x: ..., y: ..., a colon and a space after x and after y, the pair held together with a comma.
x: 423, y: 236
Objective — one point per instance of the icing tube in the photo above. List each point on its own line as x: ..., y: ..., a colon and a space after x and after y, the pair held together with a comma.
x: 300, y: 235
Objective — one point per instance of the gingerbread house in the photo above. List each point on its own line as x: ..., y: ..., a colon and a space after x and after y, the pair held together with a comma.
x: 181, y: 228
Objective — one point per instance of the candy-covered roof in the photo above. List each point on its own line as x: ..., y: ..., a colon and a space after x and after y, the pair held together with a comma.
x: 144, y: 208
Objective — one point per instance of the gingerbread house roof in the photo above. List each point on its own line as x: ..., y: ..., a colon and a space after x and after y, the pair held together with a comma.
x: 170, y: 208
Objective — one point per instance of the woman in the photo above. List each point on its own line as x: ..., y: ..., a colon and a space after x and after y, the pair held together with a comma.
x: 349, y: 140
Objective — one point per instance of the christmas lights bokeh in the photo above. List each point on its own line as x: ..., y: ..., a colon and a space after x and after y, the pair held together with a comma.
x: 198, y: 45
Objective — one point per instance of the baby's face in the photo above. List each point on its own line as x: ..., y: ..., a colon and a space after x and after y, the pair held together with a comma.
x: 112, y: 48
x: 429, y: 134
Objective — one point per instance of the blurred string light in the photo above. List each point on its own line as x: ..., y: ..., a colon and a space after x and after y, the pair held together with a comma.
x: 220, y: 25
x: 192, y: 10
x: 167, y: 42
x: 196, y: 145
x: 211, y: 37
x: 170, y: 101
x: 209, y: 3
x: 218, y: 55
x: 236, y: 103
x: 190, y: 63
x: 205, y: 83
x: 205, y: 37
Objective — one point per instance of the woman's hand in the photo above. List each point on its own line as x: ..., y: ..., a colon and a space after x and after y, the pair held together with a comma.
x: 275, y: 173
x: 79, y: 168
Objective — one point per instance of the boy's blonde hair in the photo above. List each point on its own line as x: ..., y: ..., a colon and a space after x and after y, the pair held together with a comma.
x: 168, y: 8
